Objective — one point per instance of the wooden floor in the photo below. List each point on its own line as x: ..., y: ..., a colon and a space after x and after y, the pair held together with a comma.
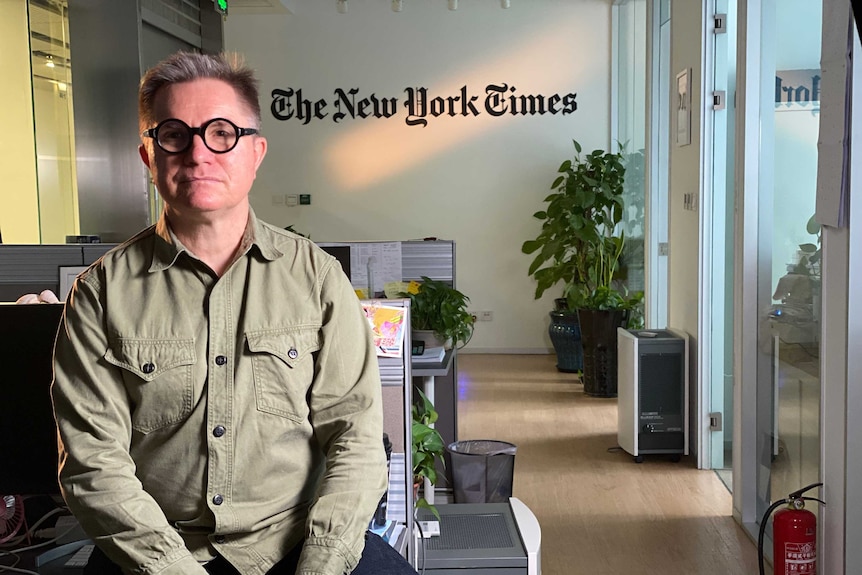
x: 600, y: 512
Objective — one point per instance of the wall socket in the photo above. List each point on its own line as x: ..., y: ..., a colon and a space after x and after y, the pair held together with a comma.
x: 483, y: 315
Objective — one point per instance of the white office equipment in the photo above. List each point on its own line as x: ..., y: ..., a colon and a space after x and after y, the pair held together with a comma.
x: 652, y: 394
x: 483, y: 539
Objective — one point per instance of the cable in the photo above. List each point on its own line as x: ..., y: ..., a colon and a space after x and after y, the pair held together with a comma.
x: 13, y: 569
x: 30, y: 531
x: 418, y: 525
x: 38, y: 545
x: 16, y: 570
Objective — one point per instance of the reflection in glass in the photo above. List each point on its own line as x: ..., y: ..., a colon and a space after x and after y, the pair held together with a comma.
x: 52, y: 112
x: 789, y: 333
x: 630, y: 53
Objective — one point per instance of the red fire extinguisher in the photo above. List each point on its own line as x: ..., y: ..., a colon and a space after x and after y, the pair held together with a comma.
x: 794, y: 535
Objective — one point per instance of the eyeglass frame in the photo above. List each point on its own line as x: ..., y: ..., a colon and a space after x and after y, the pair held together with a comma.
x: 200, y: 131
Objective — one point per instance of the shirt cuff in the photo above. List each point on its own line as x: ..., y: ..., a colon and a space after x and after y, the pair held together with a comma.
x: 324, y: 558
x: 186, y: 565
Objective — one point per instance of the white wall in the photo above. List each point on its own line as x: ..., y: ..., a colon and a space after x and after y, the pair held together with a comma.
x: 19, y: 218
x: 476, y: 180
x: 685, y: 164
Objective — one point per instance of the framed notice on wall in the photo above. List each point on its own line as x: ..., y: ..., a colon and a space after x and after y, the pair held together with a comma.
x: 683, y: 108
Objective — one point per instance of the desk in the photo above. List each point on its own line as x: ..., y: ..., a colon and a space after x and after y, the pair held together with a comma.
x: 428, y: 371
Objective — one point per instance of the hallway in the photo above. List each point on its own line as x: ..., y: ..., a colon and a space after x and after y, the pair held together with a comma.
x: 600, y: 512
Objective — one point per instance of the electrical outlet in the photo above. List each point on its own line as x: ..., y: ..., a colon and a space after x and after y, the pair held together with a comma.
x: 430, y: 528
x: 278, y: 199
x: 486, y: 316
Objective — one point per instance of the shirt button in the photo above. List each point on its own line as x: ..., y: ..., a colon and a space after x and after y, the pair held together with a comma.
x: 218, y: 499
x: 221, y: 360
x: 218, y: 430
x: 148, y: 368
x: 292, y: 353
x: 219, y: 539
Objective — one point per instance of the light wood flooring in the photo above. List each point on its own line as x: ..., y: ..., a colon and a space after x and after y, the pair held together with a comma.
x: 600, y: 512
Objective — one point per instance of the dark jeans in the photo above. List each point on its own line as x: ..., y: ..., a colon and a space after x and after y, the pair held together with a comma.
x: 378, y: 558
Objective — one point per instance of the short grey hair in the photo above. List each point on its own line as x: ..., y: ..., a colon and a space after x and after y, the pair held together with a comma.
x: 181, y: 67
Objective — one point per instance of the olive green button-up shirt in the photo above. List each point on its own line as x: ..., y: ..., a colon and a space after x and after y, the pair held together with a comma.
x: 237, y: 415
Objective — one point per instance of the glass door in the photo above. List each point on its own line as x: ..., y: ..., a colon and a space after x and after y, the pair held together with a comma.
x: 788, y: 282
x: 721, y: 246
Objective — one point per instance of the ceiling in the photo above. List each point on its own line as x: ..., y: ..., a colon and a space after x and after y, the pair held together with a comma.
x: 262, y: 7
x: 49, y: 29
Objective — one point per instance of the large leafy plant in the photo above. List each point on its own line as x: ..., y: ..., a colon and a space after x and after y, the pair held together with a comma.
x: 581, y: 243
x: 439, y: 307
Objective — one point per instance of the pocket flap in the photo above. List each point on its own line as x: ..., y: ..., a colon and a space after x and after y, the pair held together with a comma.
x: 290, y: 345
x: 148, y: 358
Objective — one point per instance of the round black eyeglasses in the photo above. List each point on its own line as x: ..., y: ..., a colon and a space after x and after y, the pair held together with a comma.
x: 219, y: 135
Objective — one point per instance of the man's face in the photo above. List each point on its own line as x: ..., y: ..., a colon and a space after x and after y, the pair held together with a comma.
x: 199, y: 182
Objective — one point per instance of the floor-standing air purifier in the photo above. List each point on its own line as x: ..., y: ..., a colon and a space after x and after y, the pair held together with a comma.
x: 652, y: 394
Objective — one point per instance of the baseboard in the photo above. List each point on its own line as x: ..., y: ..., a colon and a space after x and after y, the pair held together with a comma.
x: 506, y: 350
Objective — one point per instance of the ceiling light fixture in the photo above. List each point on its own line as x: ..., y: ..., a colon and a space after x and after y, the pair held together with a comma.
x: 397, y: 5
x: 50, y: 61
x: 342, y: 6
x: 505, y: 3
x: 453, y: 4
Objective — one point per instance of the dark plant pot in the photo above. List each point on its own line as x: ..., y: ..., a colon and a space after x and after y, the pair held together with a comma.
x: 599, y: 339
x: 565, y: 333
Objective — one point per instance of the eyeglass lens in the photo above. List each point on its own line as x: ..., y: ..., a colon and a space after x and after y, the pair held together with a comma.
x: 218, y: 135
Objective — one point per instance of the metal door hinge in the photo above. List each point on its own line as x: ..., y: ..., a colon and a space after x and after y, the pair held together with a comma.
x: 662, y: 248
x: 719, y: 100
x: 715, y: 423
x: 719, y: 24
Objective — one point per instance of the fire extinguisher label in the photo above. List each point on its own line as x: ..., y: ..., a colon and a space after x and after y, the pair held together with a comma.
x: 800, y: 559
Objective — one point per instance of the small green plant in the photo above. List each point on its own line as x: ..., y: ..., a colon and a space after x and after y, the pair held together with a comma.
x: 427, y: 446
x: 438, y: 307
x: 809, y: 262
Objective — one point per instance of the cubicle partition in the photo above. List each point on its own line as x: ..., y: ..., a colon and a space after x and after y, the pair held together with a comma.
x: 33, y: 268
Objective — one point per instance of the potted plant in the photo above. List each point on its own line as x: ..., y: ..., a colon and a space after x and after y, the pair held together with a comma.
x: 427, y: 448
x: 581, y: 245
x: 440, y: 311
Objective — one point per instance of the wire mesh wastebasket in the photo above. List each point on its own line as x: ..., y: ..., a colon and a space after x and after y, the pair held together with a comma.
x: 482, y: 470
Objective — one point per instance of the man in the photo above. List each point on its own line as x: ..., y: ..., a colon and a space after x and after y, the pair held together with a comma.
x: 216, y: 389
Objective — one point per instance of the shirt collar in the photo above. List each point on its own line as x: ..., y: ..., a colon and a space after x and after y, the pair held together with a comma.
x: 168, y: 247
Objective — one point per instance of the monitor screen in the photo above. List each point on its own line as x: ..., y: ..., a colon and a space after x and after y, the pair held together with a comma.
x: 28, y: 435
x: 341, y: 253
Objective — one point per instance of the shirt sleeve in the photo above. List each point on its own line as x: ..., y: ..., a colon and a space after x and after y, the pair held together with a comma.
x: 96, y: 471
x: 347, y: 416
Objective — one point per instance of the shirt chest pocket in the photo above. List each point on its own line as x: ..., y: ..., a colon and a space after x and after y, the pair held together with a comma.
x: 283, y: 368
x: 159, y: 379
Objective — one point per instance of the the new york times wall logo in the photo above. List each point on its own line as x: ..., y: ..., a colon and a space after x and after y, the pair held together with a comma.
x: 419, y: 105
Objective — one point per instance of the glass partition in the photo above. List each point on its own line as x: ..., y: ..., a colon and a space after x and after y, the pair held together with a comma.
x: 789, y: 306
x: 630, y: 110
x: 52, y: 114
x: 37, y: 156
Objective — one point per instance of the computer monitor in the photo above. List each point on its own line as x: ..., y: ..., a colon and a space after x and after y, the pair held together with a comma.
x: 28, y: 434
x: 341, y: 253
